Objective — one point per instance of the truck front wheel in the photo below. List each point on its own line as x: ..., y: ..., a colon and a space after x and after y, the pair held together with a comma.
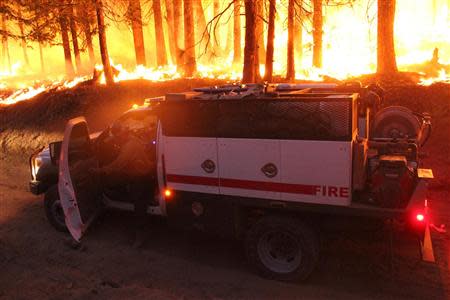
x: 282, y: 248
x: 54, y: 210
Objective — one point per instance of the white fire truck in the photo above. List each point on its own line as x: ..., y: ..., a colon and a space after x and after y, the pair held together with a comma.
x: 269, y: 164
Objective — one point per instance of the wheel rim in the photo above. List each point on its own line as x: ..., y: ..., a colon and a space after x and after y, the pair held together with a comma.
x: 279, y: 251
x: 58, y: 213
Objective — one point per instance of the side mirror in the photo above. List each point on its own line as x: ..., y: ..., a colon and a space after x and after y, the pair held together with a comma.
x: 55, y: 150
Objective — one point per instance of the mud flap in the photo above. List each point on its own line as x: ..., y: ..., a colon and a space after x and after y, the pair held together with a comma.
x: 426, y: 245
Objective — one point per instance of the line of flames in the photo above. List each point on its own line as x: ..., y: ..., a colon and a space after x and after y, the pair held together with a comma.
x: 169, y: 72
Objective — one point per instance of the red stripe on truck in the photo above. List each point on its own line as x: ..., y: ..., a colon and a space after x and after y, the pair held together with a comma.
x: 304, y: 189
x: 197, y: 180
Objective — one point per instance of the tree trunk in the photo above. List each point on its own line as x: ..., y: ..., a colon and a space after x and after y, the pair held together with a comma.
x: 260, y: 31
x: 290, y: 66
x: 23, y: 41
x: 161, y: 54
x: 66, y: 45
x: 172, y: 41
x: 202, y: 34
x: 270, y: 38
x: 189, y: 42
x: 177, y: 29
x: 229, y: 42
x: 215, y: 29
x: 90, y: 47
x: 135, y: 14
x: 248, y: 73
x: 298, y: 32
x: 237, y: 32
x: 317, y: 33
x: 107, y: 70
x: 73, y: 31
x: 86, y: 22
x: 386, y: 62
x: 5, y: 51
x: 41, y: 56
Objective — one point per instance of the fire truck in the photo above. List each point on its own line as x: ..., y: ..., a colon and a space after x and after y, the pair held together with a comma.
x: 271, y: 164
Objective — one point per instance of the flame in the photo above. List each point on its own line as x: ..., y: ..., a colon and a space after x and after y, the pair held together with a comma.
x: 13, y: 72
x: 349, y: 49
x: 443, y: 77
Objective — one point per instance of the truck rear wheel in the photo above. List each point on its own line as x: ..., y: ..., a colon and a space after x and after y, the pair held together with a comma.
x: 54, y: 210
x: 282, y: 248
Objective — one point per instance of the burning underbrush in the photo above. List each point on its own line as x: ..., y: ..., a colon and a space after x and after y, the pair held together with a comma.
x: 28, y: 125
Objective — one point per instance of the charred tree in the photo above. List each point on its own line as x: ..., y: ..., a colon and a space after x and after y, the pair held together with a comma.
x: 135, y: 13
x: 317, y: 33
x: 215, y: 41
x: 177, y: 29
x: 270, y: 40
x: 5, y: 47
x: 237, y: 32
x: 65, y: 41
x: 87, y: 24
x: 290, y: 67
x: 229, y: 43
x: 41, y: 56
x: 386, y: 62
x: 298, y: 32
x: 260, y: 31
x: 23, y: 41
x: 189, y: 39
x: 248, y: 73
x: 172, y: 42
x: 102, y: 42
x: 202, y: 34
x: 161, y: 54
x: 74, y: 33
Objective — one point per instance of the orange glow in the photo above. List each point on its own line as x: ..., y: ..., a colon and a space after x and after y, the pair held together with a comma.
x: 167, y: 193
x: 349, y: 49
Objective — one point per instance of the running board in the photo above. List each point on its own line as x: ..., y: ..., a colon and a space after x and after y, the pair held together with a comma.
x: 152, y: 210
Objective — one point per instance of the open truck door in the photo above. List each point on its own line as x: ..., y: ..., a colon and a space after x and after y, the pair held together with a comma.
x: 79, y: 194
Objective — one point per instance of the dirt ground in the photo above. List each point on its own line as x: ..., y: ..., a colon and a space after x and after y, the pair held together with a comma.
x: 35, y: 261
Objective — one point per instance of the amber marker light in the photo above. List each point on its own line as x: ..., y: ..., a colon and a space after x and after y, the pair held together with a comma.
x: 168, y: 193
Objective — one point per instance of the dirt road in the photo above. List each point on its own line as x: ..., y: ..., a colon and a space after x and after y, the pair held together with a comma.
x: 36, y: 263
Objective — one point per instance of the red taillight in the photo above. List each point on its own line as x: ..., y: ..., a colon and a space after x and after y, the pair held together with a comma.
x: 420, y: 217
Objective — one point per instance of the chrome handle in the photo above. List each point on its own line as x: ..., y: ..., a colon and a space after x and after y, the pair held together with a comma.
x: 208, y: 166
x: 270, y: 170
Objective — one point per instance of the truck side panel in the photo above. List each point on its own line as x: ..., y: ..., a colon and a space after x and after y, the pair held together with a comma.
x: 316, y: 171
x: 185, y: 159
x: 241, y: 162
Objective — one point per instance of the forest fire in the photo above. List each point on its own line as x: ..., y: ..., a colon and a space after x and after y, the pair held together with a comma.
x: 345, y: 47
x: 311, y: 134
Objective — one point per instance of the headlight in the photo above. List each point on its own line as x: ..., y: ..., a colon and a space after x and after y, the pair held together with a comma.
x: 36, y: 163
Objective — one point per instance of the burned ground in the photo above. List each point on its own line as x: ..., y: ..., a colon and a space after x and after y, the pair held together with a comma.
x: 35, y: 263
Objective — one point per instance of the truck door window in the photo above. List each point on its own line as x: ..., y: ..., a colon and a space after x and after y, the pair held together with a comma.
x: 80, y: 144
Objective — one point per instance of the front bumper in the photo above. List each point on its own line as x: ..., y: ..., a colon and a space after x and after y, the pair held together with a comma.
x: 37, y: 187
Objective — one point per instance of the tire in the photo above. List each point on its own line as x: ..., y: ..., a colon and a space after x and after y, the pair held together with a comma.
x: 282, y: 248
x: 54, y: 210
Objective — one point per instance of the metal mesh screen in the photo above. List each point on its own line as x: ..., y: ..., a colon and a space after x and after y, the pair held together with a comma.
x: 308, y: 120
x: 260, y: 119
